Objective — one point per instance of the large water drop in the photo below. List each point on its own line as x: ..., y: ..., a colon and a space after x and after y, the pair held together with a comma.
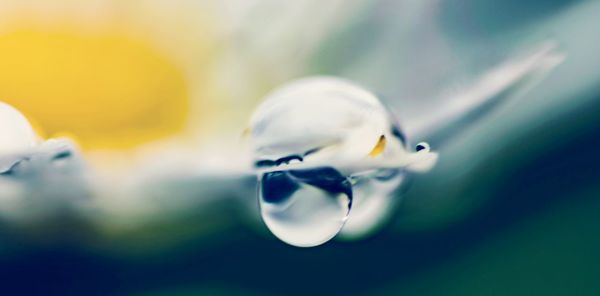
x: 320, y: 146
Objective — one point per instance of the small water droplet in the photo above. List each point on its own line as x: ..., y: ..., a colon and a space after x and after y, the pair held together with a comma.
x: 305, y: 208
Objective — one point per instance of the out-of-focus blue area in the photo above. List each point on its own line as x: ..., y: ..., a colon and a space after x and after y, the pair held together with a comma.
x: 511, y: 209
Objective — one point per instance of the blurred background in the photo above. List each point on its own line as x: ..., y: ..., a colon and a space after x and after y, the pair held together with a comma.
x: 156, y: 94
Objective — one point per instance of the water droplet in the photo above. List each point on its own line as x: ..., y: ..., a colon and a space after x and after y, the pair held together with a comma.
x: 305, y: 208
x: 322, y: 146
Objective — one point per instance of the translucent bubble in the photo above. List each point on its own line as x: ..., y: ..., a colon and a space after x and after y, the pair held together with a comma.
x: 305, y: 208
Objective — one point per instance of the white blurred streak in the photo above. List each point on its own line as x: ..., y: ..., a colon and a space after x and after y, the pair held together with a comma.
x: 166, y: 181
x: 515, y: 76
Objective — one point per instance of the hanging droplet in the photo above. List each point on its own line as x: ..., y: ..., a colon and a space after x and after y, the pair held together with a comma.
x: 305, y: 208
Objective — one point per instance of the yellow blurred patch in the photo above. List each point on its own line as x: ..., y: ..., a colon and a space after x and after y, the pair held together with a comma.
x: 108, y: 89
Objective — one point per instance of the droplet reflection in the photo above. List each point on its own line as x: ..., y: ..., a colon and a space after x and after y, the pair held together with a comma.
x: 375, y: 198
x: 305, y: 208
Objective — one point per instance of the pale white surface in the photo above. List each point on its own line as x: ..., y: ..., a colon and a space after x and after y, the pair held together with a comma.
x: 16, y: 133
x: 16, y: 136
